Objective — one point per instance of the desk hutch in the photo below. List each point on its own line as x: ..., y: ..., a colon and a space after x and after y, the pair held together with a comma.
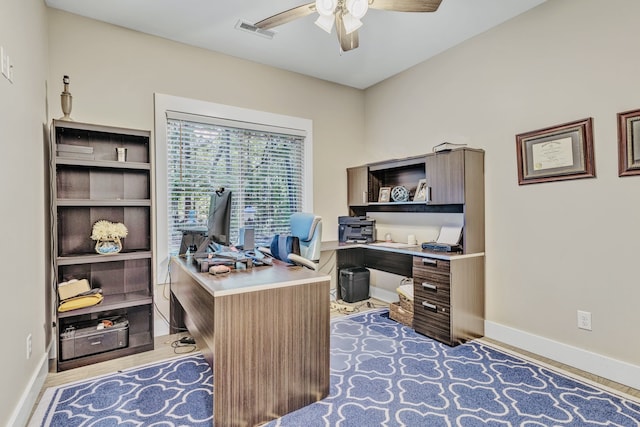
x: 448, y: 287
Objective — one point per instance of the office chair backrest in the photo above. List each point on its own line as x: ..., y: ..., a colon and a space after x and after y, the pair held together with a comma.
x: 307, y: 227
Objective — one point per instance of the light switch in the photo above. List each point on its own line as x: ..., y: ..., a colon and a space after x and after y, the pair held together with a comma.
x: 7, y: 62
x: 3, y: 62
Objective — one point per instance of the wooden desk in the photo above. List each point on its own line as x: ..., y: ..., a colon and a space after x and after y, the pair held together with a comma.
x: 264, y: 331
x: 448, y: 287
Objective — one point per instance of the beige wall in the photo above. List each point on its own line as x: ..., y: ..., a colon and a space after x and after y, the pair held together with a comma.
x: 23, y: 212
x: 552, y: 248
x: 114, y: 73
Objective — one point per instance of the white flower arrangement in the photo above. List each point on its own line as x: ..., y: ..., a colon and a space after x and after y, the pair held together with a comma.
x: 106, y: 230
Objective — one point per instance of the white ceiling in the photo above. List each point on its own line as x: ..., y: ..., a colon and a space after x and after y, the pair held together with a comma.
x: 390, y: 42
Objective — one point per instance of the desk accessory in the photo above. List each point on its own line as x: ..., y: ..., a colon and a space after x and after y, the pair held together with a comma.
x: 399, y: 194
x: 441, y: 247
x: 447, y: 241
x: 219, y: 269
x: 76, y: 294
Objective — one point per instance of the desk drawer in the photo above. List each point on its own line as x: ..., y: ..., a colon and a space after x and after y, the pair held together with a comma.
x: 431, y: 292
x: 432, y: 268
x: 432, y: 279
x: 433, y: 320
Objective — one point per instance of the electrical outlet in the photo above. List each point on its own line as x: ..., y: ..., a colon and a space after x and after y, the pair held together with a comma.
x: 584, y: 320
x: 29, y: 346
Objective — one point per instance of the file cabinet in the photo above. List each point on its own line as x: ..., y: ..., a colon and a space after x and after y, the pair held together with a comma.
x: 449, y: 298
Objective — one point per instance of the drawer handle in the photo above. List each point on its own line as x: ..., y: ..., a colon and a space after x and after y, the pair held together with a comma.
x: 432, y: 307
x: 429, y: 286
x: 429, y: 261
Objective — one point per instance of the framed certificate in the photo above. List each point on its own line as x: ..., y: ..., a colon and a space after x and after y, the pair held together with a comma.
x: 629, y: 143
x: 556, y: 153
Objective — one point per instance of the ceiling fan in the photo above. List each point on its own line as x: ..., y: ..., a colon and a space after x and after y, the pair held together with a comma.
x: 346, y: 14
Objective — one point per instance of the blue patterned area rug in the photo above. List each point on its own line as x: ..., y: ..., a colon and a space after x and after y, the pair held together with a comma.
x: 177, y: 392
x: 385, y: 374
x: 382, y: 374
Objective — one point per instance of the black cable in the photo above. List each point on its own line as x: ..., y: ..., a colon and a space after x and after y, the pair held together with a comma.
x: 179, y: 347
x: 167, y: 321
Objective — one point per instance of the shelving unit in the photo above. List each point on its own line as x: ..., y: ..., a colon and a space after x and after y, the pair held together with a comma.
x: 455, y: 182
x: 89, y: 184
x: 448, y: 288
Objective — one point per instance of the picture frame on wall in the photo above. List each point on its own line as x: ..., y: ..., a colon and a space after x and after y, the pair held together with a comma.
x: 384, y: 195
x: 629, y: 143
x: 421, y: 191
x: 556, y: 153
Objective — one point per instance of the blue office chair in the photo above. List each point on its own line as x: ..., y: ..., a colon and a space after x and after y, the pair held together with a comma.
x: 307, y: 227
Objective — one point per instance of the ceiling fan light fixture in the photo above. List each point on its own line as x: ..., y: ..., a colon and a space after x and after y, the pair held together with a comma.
x: 351, y: 23
x: 326, y: 7
x: 357, y: 8
x: 325, y: 22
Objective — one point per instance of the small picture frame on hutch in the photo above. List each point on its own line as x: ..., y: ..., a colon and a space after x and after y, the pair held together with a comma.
x: 384, y: 195
x: 421, y: 191
x: 629, y: 143
x: 556, y: 153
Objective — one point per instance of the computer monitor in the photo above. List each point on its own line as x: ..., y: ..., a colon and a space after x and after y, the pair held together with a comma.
x: 219, y: 221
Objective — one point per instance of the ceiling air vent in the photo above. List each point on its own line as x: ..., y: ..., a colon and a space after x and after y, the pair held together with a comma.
x: 250, y: 28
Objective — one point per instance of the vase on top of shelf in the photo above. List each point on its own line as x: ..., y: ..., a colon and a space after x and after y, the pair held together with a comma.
x: 108, y: 236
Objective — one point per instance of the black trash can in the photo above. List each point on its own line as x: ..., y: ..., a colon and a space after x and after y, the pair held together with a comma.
x: 354, y: 284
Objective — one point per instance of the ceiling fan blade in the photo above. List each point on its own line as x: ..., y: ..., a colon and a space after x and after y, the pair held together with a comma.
x: 286, y: 16
x: 406, y: 5
x: 347, y: 41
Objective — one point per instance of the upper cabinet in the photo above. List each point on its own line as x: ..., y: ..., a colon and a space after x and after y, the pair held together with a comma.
x: 358, y: 190
x: 445, y: 177
x: 453, y: 176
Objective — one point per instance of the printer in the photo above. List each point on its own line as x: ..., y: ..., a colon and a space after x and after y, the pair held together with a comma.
x: 359, y: 229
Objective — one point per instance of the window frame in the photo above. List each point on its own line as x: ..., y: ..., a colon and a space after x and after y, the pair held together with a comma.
x: 164, y: 103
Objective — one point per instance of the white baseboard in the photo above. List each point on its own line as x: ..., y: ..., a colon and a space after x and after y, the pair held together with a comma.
x: 22, y: 411
x: 603, y: 366
x: 383, y: 294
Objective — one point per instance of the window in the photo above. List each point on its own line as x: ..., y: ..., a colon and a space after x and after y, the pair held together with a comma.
x: 263, y: 158
x: 263, y: 169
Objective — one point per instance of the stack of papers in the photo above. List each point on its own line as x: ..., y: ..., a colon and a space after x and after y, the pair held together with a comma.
x: 449, y: 235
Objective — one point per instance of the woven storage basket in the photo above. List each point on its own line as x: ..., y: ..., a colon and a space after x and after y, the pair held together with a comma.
x: 405, y: 295
x: 406, y: 303
x: 400, y: 315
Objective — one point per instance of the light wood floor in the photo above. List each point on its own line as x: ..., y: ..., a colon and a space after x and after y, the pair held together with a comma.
x: 166, y: 348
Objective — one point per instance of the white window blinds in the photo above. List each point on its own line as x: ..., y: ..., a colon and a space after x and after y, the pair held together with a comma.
x: 262, y: 166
